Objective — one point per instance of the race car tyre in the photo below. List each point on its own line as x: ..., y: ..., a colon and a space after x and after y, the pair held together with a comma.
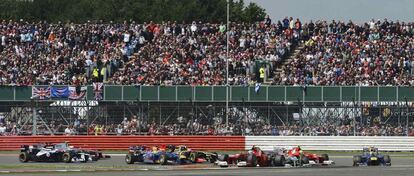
x: 325, y: 157
x: 193, y: 157
x: 86, y: 159
x: 95, y: 158
x: 139, y: 158
x: 24, y: 157
x: 213, y: 157
x: 387, y: 160
x: 279, y: 160
x: 357, y: 159
x: 67, y: 158
x: 224, y: 157
x: 163, y: 159
x: 304, y: 160
x: 129, y: 159
x: 251, y: 160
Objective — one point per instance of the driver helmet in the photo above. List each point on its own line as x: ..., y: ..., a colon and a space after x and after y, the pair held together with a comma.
x: 171, y: 148
x: 155, y: 148
x: 299, y: 149
x: 183, y: 148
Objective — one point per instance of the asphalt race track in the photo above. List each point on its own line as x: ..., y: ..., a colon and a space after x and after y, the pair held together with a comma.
x: 400, y: 166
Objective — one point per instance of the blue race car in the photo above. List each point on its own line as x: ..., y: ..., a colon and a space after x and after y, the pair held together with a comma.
x: 371, y: 157
x: 153, y: 155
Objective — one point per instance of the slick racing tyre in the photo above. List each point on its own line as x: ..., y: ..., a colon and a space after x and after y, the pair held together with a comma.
x: 279, y: 160
x: 163, y: 159
x: 357, y: 159
x: 95, y: 158
x: 224, y: 157
x: 129, y: 159
x: 387, y: 160
x: 251, y: 160
x: 193, y: 157
x: 67, y: 158
x: 24, y: 157
x: 304, y: 160
x: 325, y: 157
x: 213, y: 158
x: 86, y: 159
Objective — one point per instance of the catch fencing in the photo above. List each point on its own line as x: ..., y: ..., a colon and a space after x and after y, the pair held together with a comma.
x: 333, y: 143
x: 235, y: 143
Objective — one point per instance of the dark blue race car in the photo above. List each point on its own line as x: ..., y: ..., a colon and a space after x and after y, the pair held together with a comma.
x: 371, y: 157
x: 153, y: 155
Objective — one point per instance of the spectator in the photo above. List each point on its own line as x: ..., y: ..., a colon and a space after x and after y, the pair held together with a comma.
x: 2, y: 119
x: 69, y: 131
x: 353, y: 54
x: 2, y: 129
x: 119, y: 130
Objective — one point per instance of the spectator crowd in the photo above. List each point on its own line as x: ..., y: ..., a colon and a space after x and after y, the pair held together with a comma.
x: 378, y: 52
x: 251, y: 124
x: 338, y: 53
x: 171, y: 53
x: 168, y: 53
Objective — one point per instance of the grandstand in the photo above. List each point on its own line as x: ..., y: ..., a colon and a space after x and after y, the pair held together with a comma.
x: 286, y: 78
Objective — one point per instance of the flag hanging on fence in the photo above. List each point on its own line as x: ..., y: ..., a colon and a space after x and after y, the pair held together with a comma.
x: 59, y: 92
x: 40, y: 93
x: 98, y: 90
x: 79, y: 94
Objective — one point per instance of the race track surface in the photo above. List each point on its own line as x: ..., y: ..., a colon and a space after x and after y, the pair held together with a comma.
x: 400, y: 166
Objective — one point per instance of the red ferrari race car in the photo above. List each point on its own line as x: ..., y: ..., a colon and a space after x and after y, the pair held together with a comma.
x: 297, y: 157
x: 252, y: 158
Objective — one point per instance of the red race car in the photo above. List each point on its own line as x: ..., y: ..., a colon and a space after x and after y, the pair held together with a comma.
x: 297, y: 156
x: 252, y: 158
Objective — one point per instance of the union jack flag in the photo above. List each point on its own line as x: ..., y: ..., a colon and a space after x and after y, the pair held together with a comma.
x: 40, y: 93
x: 98, y: 90
x: 75, y: 95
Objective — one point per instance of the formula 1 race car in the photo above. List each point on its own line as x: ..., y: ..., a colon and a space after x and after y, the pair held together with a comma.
x: 297, y: 157
x: 153, y: 155
x: 195, y: 156
x: 277, y: 157
x: 97, y: 155
x: 371, y: 157
x: 61, y: 152
x: 161, y: 155
x: 252, y: 158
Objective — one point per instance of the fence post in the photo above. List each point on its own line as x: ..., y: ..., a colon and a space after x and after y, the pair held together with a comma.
x: 34, y: 121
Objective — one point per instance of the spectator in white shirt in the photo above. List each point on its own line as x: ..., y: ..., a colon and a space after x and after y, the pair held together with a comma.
x: 2, y: 129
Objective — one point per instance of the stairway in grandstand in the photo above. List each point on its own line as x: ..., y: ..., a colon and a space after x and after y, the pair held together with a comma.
x: 287, y: 60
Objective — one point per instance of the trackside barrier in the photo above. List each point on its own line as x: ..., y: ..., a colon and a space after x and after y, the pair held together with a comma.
x: 337, y: 143
x: 123, y: 142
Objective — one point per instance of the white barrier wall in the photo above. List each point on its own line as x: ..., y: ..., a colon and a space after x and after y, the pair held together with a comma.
x: 339, y: 143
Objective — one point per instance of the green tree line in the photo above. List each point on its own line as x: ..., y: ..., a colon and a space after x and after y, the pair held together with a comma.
x: 213, y: 11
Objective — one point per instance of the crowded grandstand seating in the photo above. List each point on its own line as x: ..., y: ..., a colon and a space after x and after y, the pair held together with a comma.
x: 335, y: 53
x: 143, y: 54
x: 170, y: 53
x: 338, y: 53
